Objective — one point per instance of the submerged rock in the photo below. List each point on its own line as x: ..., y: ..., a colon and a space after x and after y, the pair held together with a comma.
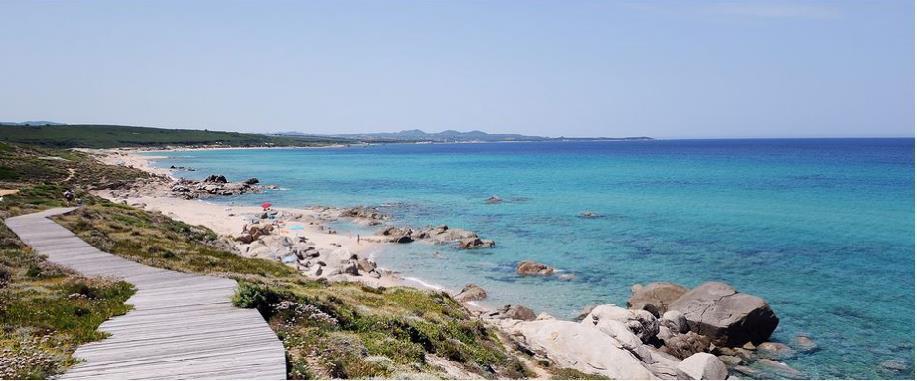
x: 526, y: 268
x: 774, y: 351
x: 728, y: 317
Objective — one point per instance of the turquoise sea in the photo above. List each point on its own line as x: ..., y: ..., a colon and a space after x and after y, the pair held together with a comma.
x: 821, y: 228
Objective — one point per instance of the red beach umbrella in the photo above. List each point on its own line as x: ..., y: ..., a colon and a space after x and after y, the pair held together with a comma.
x: 266, y: 205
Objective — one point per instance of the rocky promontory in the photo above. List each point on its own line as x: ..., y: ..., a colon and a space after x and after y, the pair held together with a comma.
x: 677, y: 333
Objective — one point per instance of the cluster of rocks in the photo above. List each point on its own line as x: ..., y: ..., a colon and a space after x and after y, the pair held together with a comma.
x: 258, y: 242
x: 367, y: 215
x: 213, y: 185
x: 669, y: 332
x: 441, y: 234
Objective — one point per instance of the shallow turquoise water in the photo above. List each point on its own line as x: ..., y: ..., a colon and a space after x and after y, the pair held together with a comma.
x: 822, y: 229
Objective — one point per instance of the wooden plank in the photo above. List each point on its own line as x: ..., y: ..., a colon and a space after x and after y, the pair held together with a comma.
x: 182, y: 326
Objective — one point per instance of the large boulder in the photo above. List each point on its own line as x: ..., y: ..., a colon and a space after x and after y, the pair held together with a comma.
x: 573, y: 345
x: 655, y: 297
x: 642, y: 323
x: 471, y: 292
x: 728, y: 317
x: 702, y: 366
x: 526, y: 268
x: 513, y: 311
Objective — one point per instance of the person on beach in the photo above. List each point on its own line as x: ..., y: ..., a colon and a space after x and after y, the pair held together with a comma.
x: 358, y: 239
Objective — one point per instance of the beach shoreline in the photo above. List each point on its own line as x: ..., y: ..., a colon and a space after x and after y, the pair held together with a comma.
x: 229, y: 220
x: 647, y: 341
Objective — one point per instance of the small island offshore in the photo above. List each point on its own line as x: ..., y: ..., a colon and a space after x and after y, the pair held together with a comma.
x: 335, y: 311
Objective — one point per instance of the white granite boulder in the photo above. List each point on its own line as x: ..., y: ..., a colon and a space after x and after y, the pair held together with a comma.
x: 702, y: 366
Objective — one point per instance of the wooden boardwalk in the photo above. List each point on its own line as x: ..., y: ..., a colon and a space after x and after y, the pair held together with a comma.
x: 182, y: 326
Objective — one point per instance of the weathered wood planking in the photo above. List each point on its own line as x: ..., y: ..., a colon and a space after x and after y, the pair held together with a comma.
x: 182, y: 326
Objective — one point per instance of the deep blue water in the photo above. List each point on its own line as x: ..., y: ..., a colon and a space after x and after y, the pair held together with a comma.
x: 821, y: 228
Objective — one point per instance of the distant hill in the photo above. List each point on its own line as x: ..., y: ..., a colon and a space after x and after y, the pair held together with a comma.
x: 32, y: 123
x: 110, y: 136
x: 450, y: 136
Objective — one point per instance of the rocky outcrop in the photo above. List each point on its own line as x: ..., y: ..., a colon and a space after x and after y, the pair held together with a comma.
x: 254, y: 231
x: 529, y: 268
x: 728, y: 317
x: 655, y: 297
x: 702, y: 366
x: 494, y: 200
x: 363, y: 212
x: 471, y: 292
x: 579, y: 346
x: 398, y: 235
x: 213, y: 185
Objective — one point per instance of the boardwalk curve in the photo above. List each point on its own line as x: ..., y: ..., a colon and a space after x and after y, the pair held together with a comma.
x: 182, y: 326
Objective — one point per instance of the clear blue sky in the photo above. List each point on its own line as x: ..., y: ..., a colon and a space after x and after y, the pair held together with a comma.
x: 573, y: 68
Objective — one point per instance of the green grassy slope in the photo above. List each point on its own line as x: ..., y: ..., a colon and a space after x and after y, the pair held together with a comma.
x: 110, y: 136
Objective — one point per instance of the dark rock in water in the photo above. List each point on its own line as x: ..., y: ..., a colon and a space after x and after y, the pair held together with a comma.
x: 475, y: 243
x: 171, y: 167
x: 471, y: 292
x: 526, y: 268
x: 403, y: 239
x: 514, y: 311
x: 251, y: 181
x: 684, y: 345
x: 494, y: 199
x: 655, y: 297
x: 730, y: 318
x: 589, y: 214
x: 217, y: 179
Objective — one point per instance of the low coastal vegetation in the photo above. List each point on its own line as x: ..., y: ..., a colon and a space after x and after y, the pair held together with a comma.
x: 47, y: 311
x: 110, y: 136
x: 329, y: 330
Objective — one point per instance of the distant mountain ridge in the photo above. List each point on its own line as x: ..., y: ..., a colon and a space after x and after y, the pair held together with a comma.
x: 451, y: 136
x: 33, y: 123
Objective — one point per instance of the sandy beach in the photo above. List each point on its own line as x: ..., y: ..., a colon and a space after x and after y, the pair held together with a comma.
x: 229, y: 221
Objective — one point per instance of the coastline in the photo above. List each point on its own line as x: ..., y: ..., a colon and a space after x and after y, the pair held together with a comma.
x: 229, y: 220
x: 657, y: 350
